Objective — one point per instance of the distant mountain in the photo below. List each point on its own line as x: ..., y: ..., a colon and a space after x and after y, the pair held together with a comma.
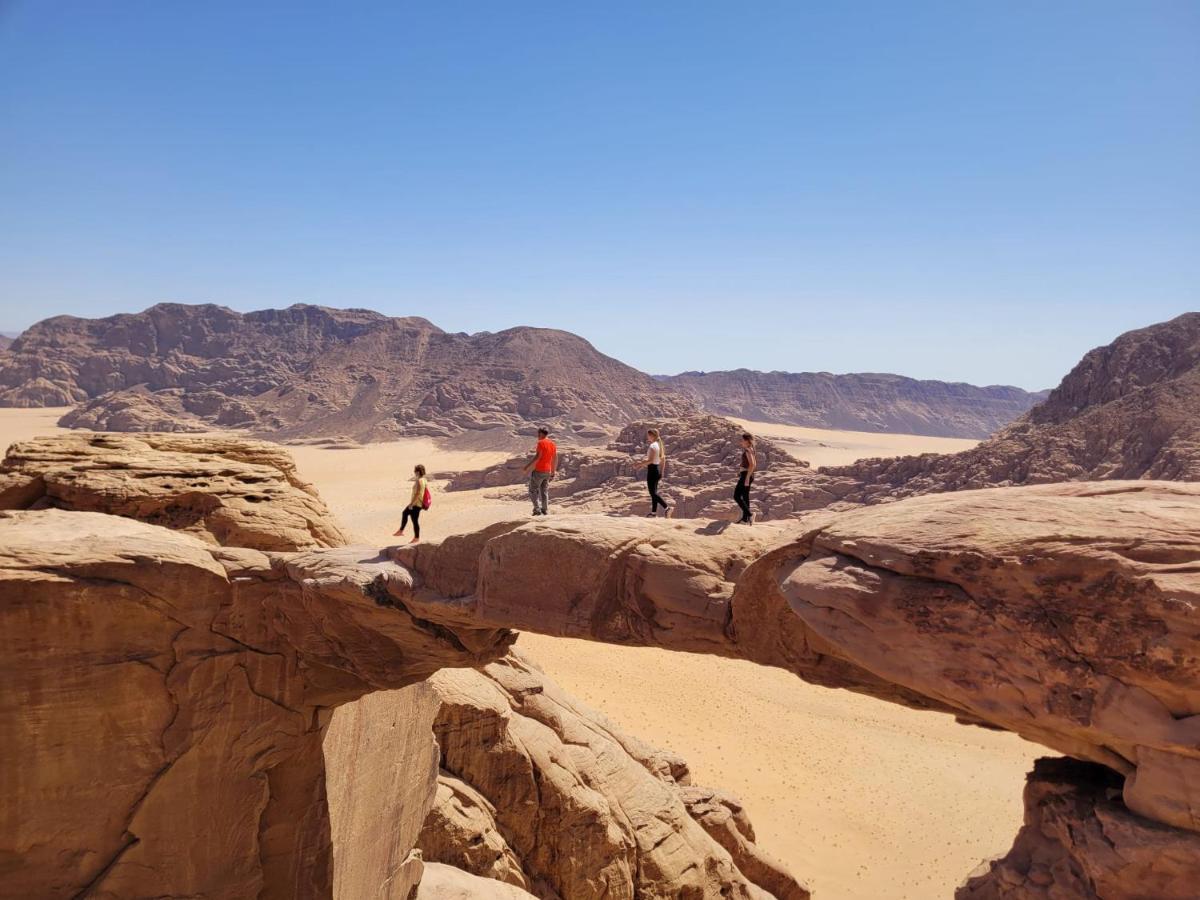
x: 5, y: 341
x: 1130, y: 409
x: 857, y: 402
x: 308, y: 371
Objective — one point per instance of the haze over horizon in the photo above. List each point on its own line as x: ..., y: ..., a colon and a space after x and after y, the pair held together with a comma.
x: 966, y: 194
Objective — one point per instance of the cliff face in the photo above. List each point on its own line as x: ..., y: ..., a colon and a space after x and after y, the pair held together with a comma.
x: 857, y: 402
x: 311, y: 371
x: 1127, y: 410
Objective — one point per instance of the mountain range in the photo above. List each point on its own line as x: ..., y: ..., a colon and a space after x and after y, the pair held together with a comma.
x: 857, y: 402
x: 315, y: 372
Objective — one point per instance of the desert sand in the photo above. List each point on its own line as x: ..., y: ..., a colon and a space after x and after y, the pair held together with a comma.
x: 829, y: 447
x: 862, y: 799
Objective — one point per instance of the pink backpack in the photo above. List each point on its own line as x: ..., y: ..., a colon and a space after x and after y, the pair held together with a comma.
x: 427, y: 500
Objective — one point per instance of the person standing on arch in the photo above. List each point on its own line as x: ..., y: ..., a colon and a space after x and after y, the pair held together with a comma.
x: 544, y: 466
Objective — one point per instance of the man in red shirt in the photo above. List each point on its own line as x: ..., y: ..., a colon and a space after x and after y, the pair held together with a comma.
x: 544, y: 465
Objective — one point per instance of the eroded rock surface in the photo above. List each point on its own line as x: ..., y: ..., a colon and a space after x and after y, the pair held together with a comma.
x: 703, y: 453
x: 1080, y: 841
x: 163, y: 701
x: 1066, y: 613
x: 309, y: 371
x: 548, y: 795
x: 225, y: 490
x: 1130, y: 409
x: 857, y: 402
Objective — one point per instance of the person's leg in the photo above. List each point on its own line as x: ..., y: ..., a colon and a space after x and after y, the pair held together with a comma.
x: 656, y: 499
x: 746, y: 496
x: 533, y: 491
x: 416, y: 520
x: 403, y: 521
x: 740, y: 496
x: 544, y: 492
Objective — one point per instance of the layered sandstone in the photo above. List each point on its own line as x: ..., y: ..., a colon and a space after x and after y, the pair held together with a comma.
x: 225, y: 490
x: 1080, y: 841
x: 857, y: 402
x: 163, y: 702
x: 540, y: 792
x: 1130, y: 409
x: 308, y: 371
x: 221, y: 666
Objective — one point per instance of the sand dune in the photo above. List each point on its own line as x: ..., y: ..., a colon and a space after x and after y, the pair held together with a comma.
x: 863, y: 799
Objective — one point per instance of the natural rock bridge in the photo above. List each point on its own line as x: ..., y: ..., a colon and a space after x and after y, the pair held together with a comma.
x: 164, y: 698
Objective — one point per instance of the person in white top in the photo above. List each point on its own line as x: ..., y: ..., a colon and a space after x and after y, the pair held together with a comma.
x: 656, y: 467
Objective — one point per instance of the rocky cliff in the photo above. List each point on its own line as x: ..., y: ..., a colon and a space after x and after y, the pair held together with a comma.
x: 857, y: 402
x: 308, y: 371
x: 1127, y: 410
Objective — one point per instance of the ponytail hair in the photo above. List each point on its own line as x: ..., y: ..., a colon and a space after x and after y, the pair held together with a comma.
x: 662, y: 448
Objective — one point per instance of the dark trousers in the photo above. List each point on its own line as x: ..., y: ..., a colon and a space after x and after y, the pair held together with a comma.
x: 414, y: 513
x: 741, y: 494
x: 653, y: 477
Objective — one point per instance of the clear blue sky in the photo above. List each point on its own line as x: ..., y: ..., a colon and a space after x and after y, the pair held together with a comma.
x: 975, y: 191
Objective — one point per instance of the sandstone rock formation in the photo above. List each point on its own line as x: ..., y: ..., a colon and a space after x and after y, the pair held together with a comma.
x: 210, y: 672
x: 442, y: 882
x: 1127, y: 410
x: 545, y: 794
x: 1010, y: 606
x: 228, y: 491
x: 1080, y: 841
x: 175, y: 682
x: 163, y: 702
x: 1065, y: 613
x: 307, y: 371
x: 857, y: 402
x: 703, y: 453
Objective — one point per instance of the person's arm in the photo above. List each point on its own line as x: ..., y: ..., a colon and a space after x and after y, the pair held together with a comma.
x: 554, y: 463
x: 753, y: 458
x: 529, y: 465
x: 416, y: 499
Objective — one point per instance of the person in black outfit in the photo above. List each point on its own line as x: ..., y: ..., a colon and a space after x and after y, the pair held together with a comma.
x: 741, y: 493
x: 656, y: 464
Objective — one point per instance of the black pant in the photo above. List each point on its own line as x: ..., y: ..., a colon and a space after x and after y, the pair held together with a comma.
x: 741, y: 494
x: 413, y: 512
x: 653, y: 477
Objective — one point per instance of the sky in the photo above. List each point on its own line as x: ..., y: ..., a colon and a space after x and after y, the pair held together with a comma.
x: 975, y: 191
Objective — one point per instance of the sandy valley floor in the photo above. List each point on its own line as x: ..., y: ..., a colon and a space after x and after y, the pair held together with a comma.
x: 862, y: 799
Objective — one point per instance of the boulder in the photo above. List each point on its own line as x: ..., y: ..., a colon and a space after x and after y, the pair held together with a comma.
x: 226, y: 490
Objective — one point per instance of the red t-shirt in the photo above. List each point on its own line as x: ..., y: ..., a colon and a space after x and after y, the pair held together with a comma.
x: 545, y: 456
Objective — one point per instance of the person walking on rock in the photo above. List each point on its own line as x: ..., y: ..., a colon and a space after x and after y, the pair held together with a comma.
x: 741, y: 493
x: 420, y: 500
x: 656, y: 467
x: 544, y: 466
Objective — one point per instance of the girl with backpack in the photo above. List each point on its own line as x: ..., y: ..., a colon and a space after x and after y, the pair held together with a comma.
x: 420, y: 500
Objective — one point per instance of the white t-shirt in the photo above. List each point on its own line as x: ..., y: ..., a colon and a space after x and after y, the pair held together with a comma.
x: 655, y: 452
